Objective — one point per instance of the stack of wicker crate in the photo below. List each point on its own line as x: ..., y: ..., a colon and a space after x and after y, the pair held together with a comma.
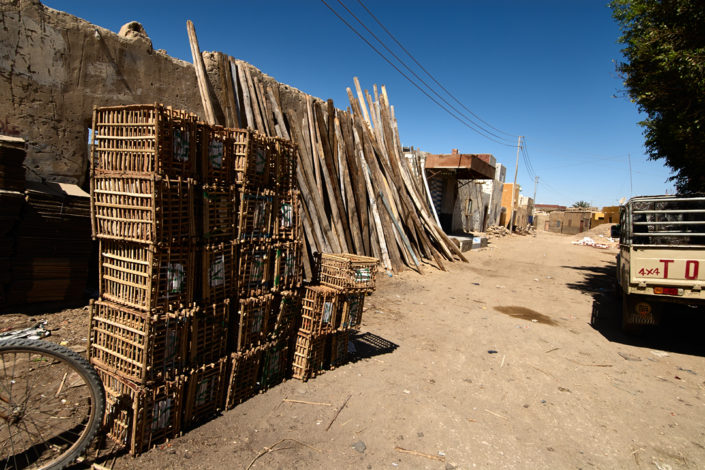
x: 268, y: 248
x: 200, y: 268
x: 143, y: 169
x: 330, y: 311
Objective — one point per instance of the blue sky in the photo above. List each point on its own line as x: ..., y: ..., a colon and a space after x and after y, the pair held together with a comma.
x: 541, y: 69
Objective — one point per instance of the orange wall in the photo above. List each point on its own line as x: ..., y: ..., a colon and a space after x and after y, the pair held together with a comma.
x: 507, y: 195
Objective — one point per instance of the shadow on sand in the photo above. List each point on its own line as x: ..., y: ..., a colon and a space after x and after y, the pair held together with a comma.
x: 680, y: 330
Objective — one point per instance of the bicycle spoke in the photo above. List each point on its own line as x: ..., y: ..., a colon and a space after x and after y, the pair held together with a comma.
x: 34, y: 446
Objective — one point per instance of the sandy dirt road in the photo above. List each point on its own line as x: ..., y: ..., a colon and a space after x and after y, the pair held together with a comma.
x: 493, y: 364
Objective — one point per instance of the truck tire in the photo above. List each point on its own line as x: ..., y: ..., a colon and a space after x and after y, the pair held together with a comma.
x: 628, y: 325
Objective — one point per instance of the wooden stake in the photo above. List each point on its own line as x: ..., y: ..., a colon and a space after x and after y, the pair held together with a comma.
x: 200, y: 68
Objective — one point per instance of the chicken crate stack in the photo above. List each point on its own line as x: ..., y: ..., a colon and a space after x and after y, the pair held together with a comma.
x: 143, y: 174
x: 200, y: 268
x: 331, y: 310
x: 269, y: 264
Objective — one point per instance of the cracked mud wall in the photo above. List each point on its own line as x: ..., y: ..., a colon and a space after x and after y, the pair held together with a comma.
x: 54, y: 68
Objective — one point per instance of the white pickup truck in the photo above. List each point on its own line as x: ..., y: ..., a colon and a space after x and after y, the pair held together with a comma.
x: 661, y: 258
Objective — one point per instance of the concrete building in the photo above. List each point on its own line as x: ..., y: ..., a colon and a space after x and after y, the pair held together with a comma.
x: 461, y: 201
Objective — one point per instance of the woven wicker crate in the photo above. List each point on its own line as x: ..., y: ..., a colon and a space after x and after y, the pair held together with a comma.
x: 147, y: 139
x: 286, y: 155
x: 346, y: 271
x: 287, y: 217
x: 146, y: 277
x: 275, y: 364
x: 309, y: 356
x: 239, y: 142
x: 218, y: 273
x: 139, y: 346
x: 244, y: 374
x: 256, y: 166
x: 138, y: 417
x: 320, y: 312
x: 255, y: 222
x: 255, y: 323
x: 288, y: 266
x: 352, y: 306
x: 339, y: 348
x: 216, y: 154
x: 287, y: 311
x: 205, y: 392
x: 218, y: 212
x: 142, y: 208
x: 210, y: 330
x: 254, y: 272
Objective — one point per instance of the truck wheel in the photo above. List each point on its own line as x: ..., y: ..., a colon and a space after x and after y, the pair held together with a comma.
x: 628, y: 325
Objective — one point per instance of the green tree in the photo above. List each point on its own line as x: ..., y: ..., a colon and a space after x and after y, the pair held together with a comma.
x: 582, y: 204
x: 664, y: 74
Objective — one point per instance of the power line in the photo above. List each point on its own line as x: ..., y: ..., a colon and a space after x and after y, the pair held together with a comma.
x: 429, y: 73
x: 430, y: 88
x: 411, y: 81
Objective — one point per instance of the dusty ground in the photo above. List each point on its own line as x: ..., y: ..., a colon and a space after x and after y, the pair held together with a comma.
x: 493, y: 364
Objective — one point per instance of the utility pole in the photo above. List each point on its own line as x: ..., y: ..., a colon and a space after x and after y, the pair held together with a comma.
x: 514, y: 187
x: 536, y: 183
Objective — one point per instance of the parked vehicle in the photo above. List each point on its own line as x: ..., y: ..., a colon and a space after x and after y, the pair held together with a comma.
x: 662, y: 247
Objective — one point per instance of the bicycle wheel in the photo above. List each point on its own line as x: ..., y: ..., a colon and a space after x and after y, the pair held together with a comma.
x: 51, y: 405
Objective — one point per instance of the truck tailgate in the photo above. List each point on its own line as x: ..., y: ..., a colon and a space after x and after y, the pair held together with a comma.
x: 683, y: 267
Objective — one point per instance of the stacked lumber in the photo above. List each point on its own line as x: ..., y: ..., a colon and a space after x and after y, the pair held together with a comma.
x: 359, y: 192
x: 49, y: 253
x: 200, y: 268
x: 332, y: 310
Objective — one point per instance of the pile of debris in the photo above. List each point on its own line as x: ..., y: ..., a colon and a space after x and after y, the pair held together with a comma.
x: 497, y: 231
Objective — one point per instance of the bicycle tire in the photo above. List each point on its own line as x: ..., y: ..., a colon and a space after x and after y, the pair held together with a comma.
x: 86, y: 375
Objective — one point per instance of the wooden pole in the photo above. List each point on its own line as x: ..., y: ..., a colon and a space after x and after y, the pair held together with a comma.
x: 247, y: 101
x: 200, y: 68
x: 510, y: 223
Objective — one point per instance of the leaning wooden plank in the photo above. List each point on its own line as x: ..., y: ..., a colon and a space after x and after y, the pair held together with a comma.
x: 232, y: 73
x: 229, y: 107
x: 254, y: 101
x: 246, y: 99
x: 379, y: 181
x: 353, y: 220
x: 373, y: 204
x: 277, y: 112
x: 357, y: 184
x: 316, y: 201
x: 332, y: 185
x: 375, y: 176
x: 201, y: 76
x: 401, y: 233
x: 362, y: 101
x: 266, y: 110
x: 314, y: 146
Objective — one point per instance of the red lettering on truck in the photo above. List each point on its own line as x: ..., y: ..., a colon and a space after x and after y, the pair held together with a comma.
x: 691, y: 269
x: 665, y: 266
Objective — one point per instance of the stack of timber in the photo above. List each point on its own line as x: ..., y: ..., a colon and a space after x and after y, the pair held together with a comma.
x: 52, y: 251
x: 44, y: 238
x: 332, y: 309
x: 359, y: 193
x: 200, y: 268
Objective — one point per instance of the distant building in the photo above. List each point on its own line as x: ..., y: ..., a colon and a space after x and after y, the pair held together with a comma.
x: 464, y: 190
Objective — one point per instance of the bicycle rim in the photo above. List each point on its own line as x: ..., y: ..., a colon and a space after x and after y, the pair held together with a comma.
x: 49, y: 404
